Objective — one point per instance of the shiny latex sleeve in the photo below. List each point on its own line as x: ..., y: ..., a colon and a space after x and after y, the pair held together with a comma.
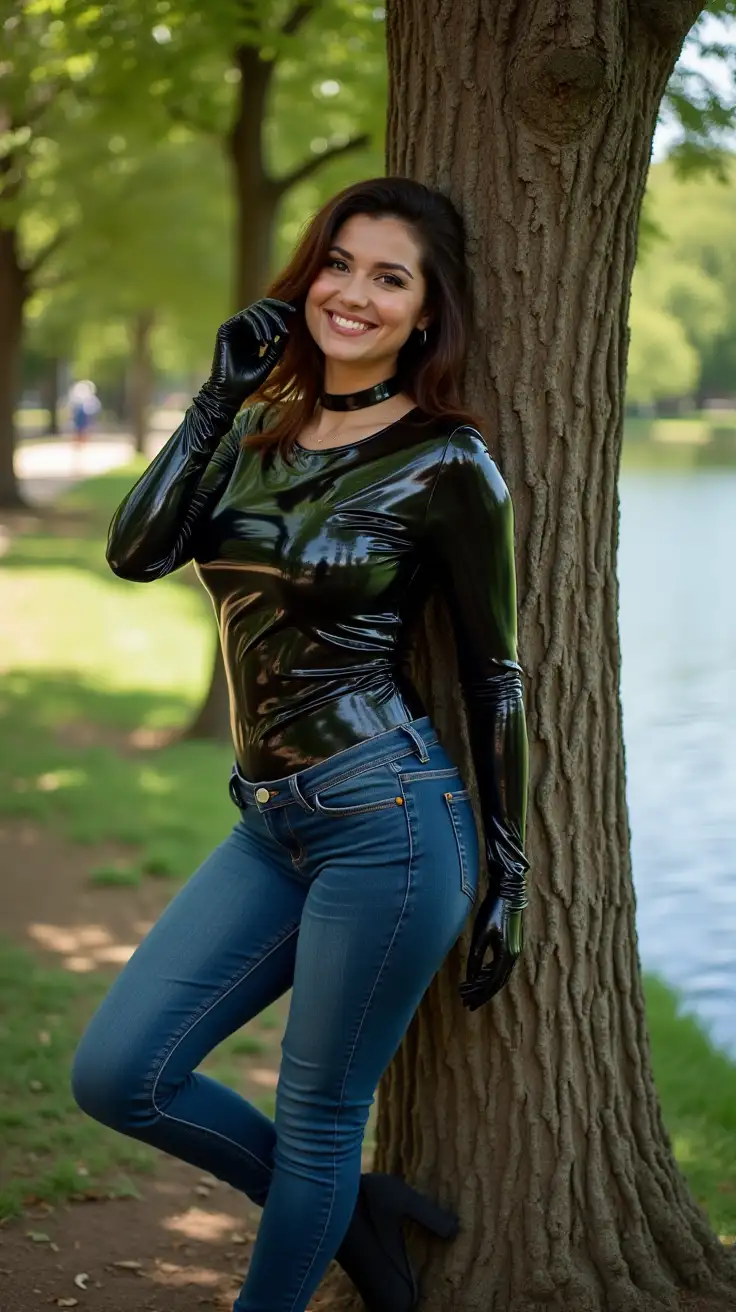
x: 470, y: 523
x: 153, y: 531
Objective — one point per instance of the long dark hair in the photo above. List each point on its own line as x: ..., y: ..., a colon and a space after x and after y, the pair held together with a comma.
x: 431, y: 372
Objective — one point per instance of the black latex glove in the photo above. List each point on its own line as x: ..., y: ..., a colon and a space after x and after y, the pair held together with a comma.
x: 500, y: 930
x: 246, y: 349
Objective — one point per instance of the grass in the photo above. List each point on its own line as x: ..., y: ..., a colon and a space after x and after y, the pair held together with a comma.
x: 697, y: 1088
x: 51, y: 1151
x: 86, y: 649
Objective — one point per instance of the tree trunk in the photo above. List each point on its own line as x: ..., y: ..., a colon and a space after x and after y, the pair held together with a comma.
x: 537, y: 1116
x: 12, y: 299
x: 140, y: 378
x: 50, y: 391
x: 256, y: 204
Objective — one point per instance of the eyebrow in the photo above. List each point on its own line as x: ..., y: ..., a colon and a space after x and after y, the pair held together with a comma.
x: 379, y: 264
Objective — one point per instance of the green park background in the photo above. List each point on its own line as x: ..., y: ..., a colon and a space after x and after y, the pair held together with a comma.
x: 124, y: 206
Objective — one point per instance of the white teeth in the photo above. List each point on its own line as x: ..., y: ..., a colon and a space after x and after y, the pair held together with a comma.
x: 349, y: 323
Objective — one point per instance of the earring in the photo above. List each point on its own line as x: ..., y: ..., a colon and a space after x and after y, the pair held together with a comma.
x: 424, y: 336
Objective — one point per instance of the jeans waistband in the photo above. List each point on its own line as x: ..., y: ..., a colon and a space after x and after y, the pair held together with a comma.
x: 414, y: 736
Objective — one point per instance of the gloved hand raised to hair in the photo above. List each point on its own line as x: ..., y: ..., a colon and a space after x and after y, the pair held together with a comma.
x: 247, y: 347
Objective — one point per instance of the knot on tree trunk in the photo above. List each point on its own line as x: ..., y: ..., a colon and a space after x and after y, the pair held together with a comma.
x: 561, y: 91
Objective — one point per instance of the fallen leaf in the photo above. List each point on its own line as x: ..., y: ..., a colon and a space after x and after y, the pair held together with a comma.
x: 67, y: 1302
x: 38, y: 1236
x: 129, y: 1264
x: 54, y: 1248
x: 81, y: 1280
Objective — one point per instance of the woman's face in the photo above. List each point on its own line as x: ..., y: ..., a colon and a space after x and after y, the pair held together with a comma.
x: 382, y: 304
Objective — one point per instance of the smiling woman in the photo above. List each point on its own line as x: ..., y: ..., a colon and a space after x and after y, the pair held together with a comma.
x: 380, y: 286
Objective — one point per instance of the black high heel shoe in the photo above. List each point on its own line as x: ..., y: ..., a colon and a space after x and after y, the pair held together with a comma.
x: 373, y: 1252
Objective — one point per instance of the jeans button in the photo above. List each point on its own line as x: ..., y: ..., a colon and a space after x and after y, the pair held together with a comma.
x: 262, y: 794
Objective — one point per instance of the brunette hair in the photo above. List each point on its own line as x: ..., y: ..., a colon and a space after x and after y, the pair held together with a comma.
x: 430, y: 372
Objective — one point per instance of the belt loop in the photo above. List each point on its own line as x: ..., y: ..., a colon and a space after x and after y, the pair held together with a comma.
x: 294, y: 787
x: 418, y: 742
x: 233, y: 789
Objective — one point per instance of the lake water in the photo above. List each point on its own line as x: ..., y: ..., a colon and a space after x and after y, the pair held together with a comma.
x: 677, y: 568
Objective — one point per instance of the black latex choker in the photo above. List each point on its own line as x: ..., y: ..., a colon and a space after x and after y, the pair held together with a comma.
x: 358, y: 400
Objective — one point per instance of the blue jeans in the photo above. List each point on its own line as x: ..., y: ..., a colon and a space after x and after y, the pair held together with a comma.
x: 348, y: 882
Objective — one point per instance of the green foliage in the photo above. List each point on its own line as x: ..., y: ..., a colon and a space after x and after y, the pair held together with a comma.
x: 701, y: 96
x: 119, y: 156
x: 659, y: 354
x: 683, y: 308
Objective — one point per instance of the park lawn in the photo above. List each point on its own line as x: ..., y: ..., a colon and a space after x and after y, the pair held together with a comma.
x: 89, y: 659
x: 87, y: 649
x: 51, y: 1151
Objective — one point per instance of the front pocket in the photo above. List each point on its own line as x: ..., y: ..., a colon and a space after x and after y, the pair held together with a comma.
x: 461, y: 815
x: 363, y: 792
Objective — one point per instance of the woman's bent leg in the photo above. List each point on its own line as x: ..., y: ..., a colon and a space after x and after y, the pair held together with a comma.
x: 378, y: 921
x: 222, y: 951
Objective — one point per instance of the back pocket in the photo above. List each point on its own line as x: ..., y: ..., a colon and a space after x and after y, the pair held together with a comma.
x: 466, y: 837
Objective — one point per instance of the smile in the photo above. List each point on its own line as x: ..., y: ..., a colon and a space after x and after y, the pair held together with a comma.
x: 348, y: 327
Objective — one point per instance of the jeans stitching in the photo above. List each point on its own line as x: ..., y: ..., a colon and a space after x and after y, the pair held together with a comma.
x: 396, y: 755
x: 428, y: 774
x: 465, y: 884
x: 302, y: 852
x: 352, y: 1054
x: 363, y: 769
x: 347, y: 811
x: 189, y: 1026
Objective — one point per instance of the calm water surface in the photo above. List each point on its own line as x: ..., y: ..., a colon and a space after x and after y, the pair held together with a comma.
x: 677, y: 569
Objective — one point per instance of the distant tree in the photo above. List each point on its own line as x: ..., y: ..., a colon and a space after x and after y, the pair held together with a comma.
x: 295, y: 95
x: 689, y: 268
x: 151, y: 254
x: 662, y: 362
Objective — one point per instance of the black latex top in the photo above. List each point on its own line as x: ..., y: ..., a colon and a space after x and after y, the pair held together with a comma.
x: 316, y: 565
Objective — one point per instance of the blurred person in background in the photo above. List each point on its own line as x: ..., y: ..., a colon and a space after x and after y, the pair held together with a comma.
x: 320, y: 517
x: 84, y: 405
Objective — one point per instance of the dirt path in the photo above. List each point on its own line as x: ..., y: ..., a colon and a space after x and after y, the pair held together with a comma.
x: 181, y: 1247
x: 184, y: 1244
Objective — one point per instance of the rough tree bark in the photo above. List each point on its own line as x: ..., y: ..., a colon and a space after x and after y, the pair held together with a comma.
x: 538, y: 1116
x: 257, y: 196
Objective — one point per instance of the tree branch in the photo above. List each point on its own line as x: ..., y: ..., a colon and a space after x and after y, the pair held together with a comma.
x: 298, y: 16
x: 669, y: 20
x: 178, y: 115
x: 310, y: 166
x: 42, y: 257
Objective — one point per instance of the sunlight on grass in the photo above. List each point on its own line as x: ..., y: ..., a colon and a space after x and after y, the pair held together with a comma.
x: 50, y: 1150
x: 88, y: 653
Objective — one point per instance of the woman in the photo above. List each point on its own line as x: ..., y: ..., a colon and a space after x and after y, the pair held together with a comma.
x: 320, y: 517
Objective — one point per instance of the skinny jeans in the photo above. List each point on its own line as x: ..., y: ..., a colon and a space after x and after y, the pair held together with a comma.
x: 347, y: 882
